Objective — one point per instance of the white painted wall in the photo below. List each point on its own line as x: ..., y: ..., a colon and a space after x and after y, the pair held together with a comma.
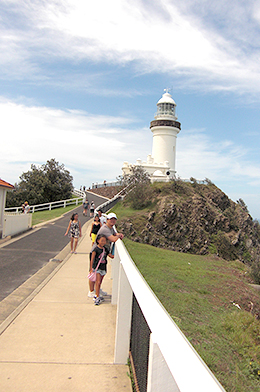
x: 16, y: 223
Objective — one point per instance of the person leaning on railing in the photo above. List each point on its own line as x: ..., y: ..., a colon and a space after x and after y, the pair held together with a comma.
x: 111, y: 236
x: 108, y: 230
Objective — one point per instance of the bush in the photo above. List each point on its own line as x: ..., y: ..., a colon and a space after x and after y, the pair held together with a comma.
x: 139, y: 189
x: 255, y: 269
x: 224, y: 247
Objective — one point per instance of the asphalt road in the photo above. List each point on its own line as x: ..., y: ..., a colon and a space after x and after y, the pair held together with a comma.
x: 21, y: 259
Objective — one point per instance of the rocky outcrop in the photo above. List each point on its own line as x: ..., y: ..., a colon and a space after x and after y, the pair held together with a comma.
x: 195, y: 218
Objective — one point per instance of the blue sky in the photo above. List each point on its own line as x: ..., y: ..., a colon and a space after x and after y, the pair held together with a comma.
x: 80, y: 81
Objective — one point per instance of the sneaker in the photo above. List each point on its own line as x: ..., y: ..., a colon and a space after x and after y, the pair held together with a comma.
x: 101, y: 298
x: 102, y: 292
x: 98, y: 300
x: 91, y: 294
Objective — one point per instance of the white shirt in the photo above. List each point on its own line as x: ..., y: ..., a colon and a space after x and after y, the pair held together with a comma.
x: 102, y: 219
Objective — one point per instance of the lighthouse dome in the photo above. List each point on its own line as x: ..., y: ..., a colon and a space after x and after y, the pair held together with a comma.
x: 166, y: 98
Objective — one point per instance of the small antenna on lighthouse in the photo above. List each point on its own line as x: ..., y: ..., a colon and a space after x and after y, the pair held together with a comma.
x: 167, y: 90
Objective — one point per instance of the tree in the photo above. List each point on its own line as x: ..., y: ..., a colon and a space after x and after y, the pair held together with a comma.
x: 59, y: 185
x: 44, y: 184
x: 137, y: 183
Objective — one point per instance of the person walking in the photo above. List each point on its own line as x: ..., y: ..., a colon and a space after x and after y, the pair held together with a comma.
x: 74, y: 230
x: 85, y: 204
x: 92, y: 208
x: 94, y: 229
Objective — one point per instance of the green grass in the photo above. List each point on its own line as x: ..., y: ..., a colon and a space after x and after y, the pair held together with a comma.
x: 198, y: 292
x: 45, y: 215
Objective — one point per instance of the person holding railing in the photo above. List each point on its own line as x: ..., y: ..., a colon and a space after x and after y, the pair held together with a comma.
x: 111, y: 237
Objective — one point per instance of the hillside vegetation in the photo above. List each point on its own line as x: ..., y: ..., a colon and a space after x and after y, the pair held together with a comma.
x: 193, y: 218
x: 212, y: 303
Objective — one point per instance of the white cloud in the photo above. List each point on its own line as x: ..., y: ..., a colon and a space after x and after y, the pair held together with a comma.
x: 100, y: 144
x: 219, y: 51
x: 200, y: 157
x: 93, y: 148
x: 90, y: 146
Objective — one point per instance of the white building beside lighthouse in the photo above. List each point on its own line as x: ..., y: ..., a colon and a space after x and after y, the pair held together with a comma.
x: 165, y: 128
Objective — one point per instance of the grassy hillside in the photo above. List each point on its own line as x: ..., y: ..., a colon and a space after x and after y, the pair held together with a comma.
x: 192, y: 218
x: 45, y: 215
x: 213, y: 304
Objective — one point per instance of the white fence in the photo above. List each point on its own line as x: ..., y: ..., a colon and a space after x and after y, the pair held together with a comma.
x: 78, y: 192
x: 174, y: 365
x: 47, y: 206
x: 101, y: 185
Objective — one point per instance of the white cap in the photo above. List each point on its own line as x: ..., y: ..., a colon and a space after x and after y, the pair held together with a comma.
x: 111, y: 215
x: 166, y: 98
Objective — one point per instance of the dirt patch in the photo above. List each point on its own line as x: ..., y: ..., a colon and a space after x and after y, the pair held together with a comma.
x: 106, y: 191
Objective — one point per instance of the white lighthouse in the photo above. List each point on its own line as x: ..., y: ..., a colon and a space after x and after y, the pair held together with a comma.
x: 165, y: 128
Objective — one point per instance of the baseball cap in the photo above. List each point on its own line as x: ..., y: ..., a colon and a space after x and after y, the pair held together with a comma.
x: 111, y: 215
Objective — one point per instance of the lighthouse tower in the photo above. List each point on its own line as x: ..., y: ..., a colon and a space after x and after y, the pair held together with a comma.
x: 165, y: 128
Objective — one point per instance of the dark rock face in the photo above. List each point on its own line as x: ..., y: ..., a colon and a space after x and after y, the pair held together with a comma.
x: 196, y: 218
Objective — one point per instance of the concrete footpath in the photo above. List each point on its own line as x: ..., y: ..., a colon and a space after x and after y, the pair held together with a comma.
x: 59, y: 340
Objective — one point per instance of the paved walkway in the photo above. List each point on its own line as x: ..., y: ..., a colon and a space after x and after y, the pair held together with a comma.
x: 58, y: 340
x: 23, y: 256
